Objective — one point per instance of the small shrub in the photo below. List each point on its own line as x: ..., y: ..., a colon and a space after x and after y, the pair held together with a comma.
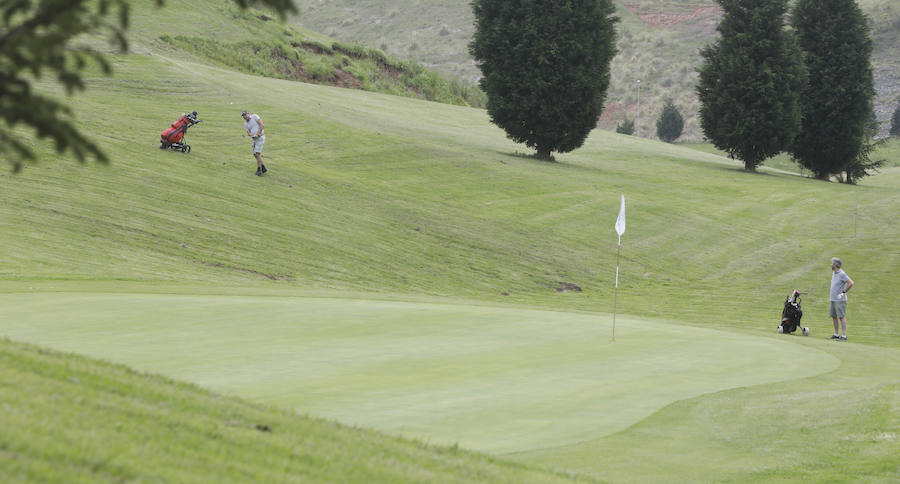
x: 320, y: 68
x: 670, y: 124
x: 625, y: 127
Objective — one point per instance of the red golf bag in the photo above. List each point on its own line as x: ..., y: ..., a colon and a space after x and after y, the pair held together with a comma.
x: 172, y: 137
x: 176, y: 132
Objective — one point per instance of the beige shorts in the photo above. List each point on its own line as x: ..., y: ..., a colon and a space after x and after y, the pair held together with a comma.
x: 838, y: 309
x: 258, y: 144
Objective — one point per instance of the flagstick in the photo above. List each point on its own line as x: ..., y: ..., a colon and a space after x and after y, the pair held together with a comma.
x: 616, y: 292
x: 620, y: 229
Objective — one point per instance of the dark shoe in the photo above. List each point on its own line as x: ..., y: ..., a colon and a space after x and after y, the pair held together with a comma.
x: 264, y: 170
x: 834, y: 336
x: 843, y: 338
x: 258, y: 172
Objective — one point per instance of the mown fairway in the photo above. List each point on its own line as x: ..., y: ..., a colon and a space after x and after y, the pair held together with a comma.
x: 406, y: 268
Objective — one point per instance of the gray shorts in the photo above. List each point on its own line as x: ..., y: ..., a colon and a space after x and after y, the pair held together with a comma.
x: 258, y: 143
x: 838, y: 309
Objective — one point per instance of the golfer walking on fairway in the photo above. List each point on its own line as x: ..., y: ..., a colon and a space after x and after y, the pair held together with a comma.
x: 840, y: 284
x: 255, y: 129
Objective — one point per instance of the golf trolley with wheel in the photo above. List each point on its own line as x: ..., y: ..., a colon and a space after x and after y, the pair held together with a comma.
x: 173, y: 138
x: 791, y: 315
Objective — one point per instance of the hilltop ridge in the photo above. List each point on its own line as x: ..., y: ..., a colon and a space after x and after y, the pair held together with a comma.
x: 658, y: 43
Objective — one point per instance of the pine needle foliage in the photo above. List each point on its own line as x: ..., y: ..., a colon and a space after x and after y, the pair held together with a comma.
x: 670, y: 124
x: 545, y: 67
x: 837, y: 100
x: 750, y: 82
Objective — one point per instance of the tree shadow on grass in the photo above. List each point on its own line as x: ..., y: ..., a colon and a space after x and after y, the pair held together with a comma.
x: 535, y: 158
x: 763, y: 171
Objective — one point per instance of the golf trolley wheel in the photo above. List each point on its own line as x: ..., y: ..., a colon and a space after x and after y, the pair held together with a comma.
x: 188, y: 148
x: 184, y: 149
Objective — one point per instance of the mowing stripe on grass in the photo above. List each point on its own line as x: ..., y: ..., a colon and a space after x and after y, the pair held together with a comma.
x: 490, y: 378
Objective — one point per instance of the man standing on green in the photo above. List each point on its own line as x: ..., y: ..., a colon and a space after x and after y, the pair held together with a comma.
x: 840, y: 284
x: 255, y: 130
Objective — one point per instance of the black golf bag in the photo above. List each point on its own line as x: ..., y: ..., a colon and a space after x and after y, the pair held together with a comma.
x: 791, y: 315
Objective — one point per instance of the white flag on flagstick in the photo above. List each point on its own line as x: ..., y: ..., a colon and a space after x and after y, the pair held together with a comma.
x: 620, y: 229
x: 620, y: 222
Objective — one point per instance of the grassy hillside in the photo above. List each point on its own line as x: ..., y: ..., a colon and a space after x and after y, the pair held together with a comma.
x: 256, y: 42
x: 658, y: 43
x: 372, y: 193
x: 71, y: 419
x: 460, y: 275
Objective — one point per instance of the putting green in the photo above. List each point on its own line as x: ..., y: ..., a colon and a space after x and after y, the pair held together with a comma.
x: 494, y: 379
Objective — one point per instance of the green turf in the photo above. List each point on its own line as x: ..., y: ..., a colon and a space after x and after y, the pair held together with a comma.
x: 491, y: 379
x: 840, y: 427
x: 69, y: 419
x: 391, y: 205
x: 887, y: 151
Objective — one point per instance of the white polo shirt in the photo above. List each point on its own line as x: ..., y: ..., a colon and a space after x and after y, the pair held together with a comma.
x: 252, y: 125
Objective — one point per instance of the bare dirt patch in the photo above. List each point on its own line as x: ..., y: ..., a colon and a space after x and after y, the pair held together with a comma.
x: 343, y: 78
x: 309, y: 47
x: 657, y: 18
x: 567, y: 287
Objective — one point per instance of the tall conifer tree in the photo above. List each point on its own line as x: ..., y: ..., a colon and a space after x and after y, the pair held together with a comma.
x: 750, y: 81
x: 837, y: 100
x: 545, y: 67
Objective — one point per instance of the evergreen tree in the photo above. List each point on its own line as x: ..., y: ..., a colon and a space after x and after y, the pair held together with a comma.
x: 863, y: 164
x: 895, y: 122
x: 837, y: 100
x: 38, y: 36
x: 670, y: 123
x: 625, y: 127
x: 750, y: 82
x: 545, y: 67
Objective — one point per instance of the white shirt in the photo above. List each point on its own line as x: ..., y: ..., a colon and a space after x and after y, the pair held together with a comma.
x: 252, y: 125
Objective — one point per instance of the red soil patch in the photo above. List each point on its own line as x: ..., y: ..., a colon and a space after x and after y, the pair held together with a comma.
x: 612, y: 114
x: 312, y: 48
x: 343, y: 78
